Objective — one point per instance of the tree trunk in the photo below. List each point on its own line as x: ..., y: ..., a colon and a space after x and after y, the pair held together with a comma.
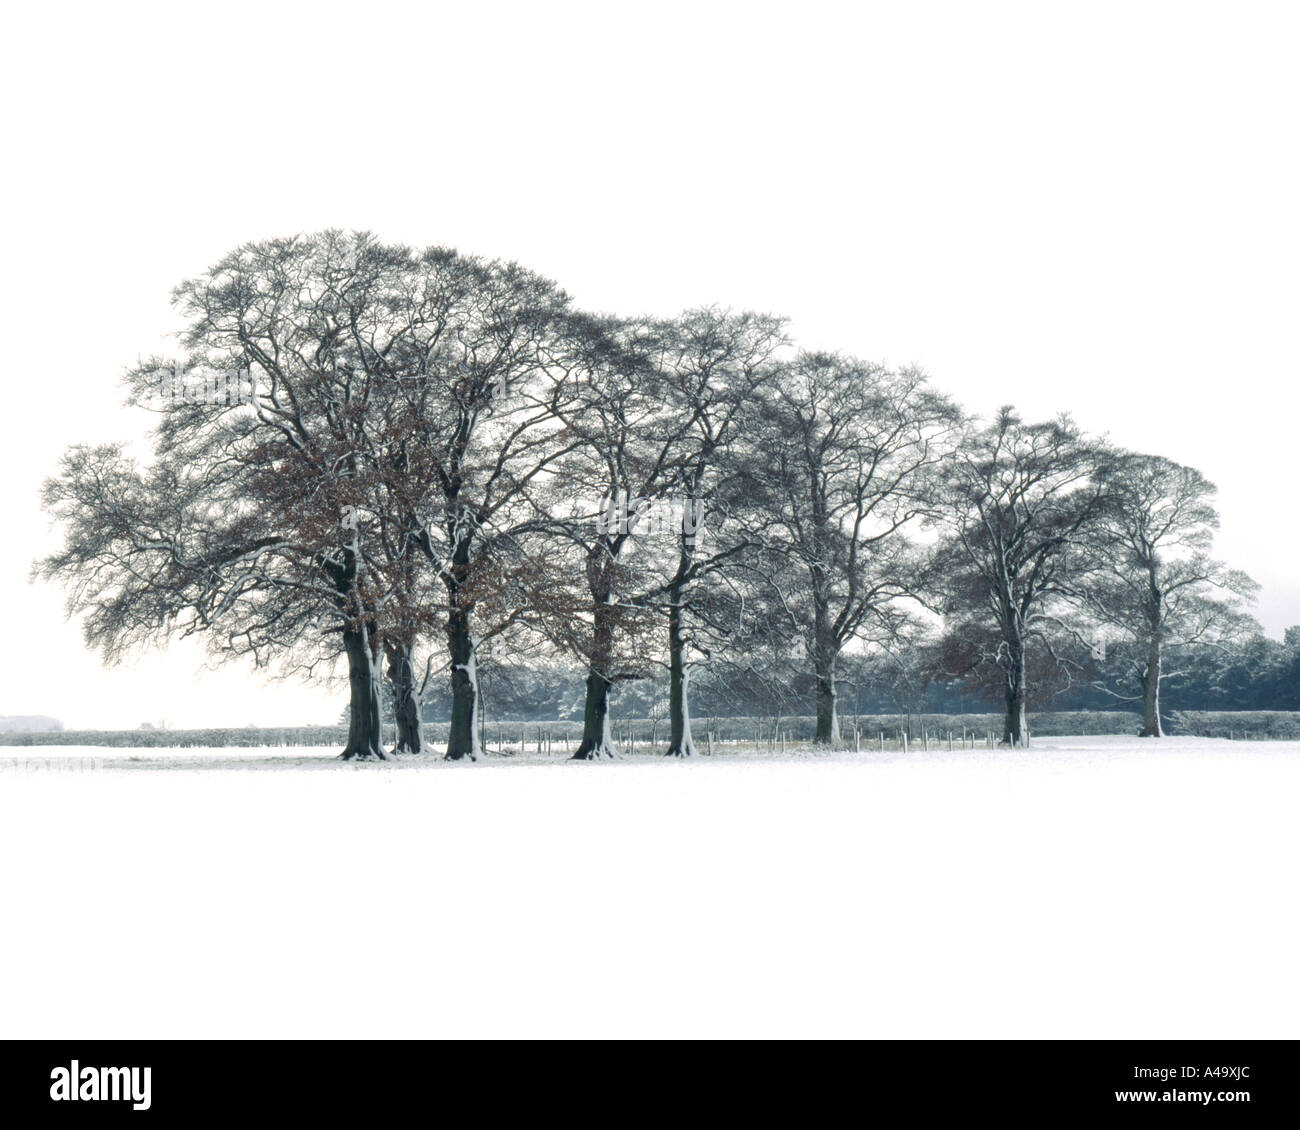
x: 1151, y: 727
x: 680, y: 741
x: 406, y: 699
x: 1015, y: 727
x: 597, y: 739
x: 828, y: 718
x: 462, y: 734
x: 825, y: 652
x: 364, y: 725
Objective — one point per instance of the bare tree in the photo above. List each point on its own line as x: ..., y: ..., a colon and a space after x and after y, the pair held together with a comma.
x: 479, y: 410
x: 595, y: 513
x: 717, y: 367
x: 850, y: 452
x: 1153, y: 585
x: 1021, y: 501
x: 186, y: 548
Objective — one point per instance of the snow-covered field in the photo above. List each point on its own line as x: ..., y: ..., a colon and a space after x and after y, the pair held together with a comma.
x: 1088, y: 887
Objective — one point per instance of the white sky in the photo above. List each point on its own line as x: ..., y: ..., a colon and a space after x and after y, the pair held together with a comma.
x: 1090, y: 209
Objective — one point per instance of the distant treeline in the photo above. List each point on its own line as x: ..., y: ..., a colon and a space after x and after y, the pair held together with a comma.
x: 1261, y: 675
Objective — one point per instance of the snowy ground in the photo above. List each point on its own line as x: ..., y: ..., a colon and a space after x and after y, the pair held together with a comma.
x: 1088, y: 887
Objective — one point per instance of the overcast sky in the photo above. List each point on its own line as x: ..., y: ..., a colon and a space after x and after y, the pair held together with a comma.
x: 1083, y: 207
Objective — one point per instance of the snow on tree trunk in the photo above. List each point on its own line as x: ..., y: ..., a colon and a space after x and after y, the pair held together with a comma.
x: 463, y: 733
x: 1015, y: 726
x: 406, y: 699
x: 597, y: 737
x: 1151, y: 727
x: 828, y: 719
x: 364, y: 728
x: 681, y: 743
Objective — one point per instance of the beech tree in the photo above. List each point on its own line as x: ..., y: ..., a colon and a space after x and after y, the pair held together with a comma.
x: 479, y: 409
x: 179, y: 549
x: 716, y: 369
x: 1022, y: 499
x: 425, y: 370
x: 315, y: 319
x: 849, y: 454
x: 656, y: 418
x: 1152, y: 585
x: 595, y: 514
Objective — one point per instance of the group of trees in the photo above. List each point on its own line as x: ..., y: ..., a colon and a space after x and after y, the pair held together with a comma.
x: 442, y: 463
